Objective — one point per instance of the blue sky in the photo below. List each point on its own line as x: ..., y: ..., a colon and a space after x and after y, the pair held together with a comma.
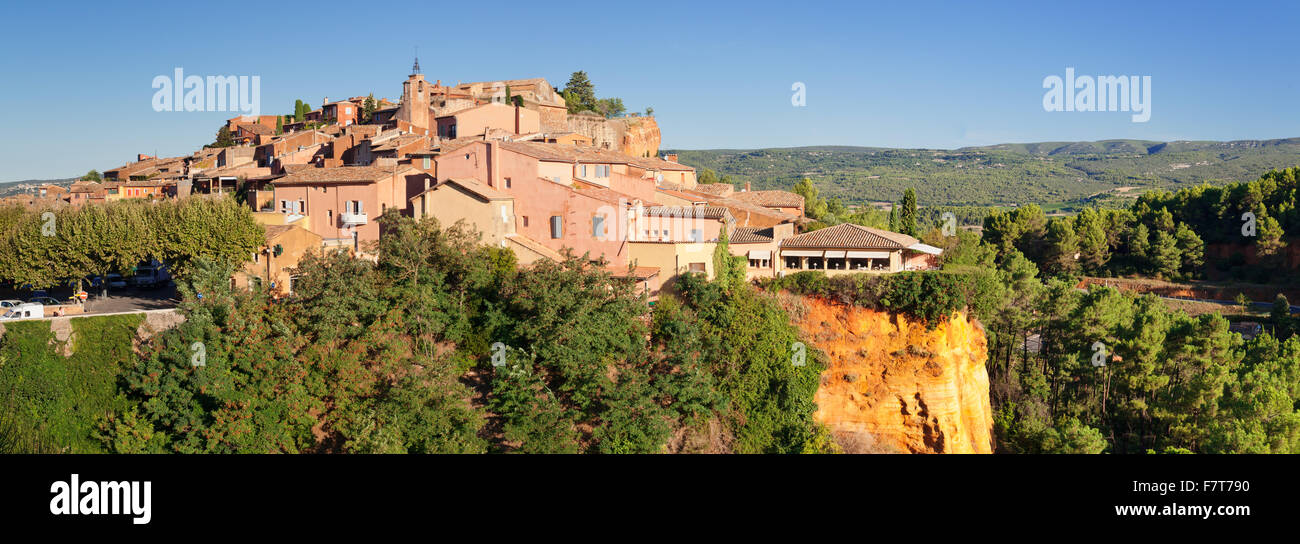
x: 77, y: 75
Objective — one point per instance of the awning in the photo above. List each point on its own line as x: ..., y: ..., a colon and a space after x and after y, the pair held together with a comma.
x: 868, y: 254
x: 925, y: 248
x: 835, y: 254
x: 801, y: 253
x: 758, y: 254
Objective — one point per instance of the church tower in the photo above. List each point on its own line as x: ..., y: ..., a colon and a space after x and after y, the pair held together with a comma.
x: 415, y: 99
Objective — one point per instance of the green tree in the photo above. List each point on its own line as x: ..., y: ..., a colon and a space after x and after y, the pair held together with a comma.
x: 1094, y: 248
x: 907, y: 216
x: 610, y: 107
x: 579, y: 93
x: 92, y: 175
x: 368, y: 108
x: 1165, y: 255
x: 1280, y: 316
x: 1062, y: 248
x: 224, y: 138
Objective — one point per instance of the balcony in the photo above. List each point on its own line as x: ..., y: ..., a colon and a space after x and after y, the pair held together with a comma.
x: 353, y: 219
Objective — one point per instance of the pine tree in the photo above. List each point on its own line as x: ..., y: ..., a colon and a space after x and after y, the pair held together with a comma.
x: 579, y: 93
x: 1283, y: 326
x: 224, y: 138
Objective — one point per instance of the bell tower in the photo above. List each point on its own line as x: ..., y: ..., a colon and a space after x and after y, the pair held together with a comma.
x: 415, y: 98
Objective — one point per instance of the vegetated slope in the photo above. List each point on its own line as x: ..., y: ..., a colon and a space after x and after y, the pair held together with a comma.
x: 1004, y: 174
x: 894, y: 385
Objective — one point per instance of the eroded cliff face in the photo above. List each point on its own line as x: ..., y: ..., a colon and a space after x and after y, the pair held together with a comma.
x: 636, y: 136
x: 893, y: 386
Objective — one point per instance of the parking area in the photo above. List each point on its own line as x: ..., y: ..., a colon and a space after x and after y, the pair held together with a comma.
x: 118, y: 300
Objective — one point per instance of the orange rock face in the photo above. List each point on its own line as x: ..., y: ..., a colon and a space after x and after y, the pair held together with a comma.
x: 893, y: 386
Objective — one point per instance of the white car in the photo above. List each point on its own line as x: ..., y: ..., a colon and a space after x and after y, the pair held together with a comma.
x: 6, y: 304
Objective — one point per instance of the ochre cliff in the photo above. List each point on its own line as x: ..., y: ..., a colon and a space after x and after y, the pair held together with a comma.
x: 891, y: 385
x: 636, y: 136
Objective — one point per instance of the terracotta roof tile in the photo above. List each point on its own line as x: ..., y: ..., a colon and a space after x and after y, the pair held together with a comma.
x: 774, y: 199
x: 848, y: 235
x: 340, y: 174
x: 751, y: 235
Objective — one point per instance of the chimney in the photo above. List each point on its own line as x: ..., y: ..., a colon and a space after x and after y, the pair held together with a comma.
x: 493, y: 150
x: 325, y: 101
x: 671, y: 157
x: 517, y: 122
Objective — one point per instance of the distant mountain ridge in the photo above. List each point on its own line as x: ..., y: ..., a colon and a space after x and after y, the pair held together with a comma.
x: 1002, y: 174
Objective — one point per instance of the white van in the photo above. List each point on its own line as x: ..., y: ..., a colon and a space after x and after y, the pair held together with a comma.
x: 152, y: 275
x: 24, y: 311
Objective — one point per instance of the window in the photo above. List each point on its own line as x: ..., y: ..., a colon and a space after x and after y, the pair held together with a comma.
x: 582, y: 170
x: 426, y: 163
x: 816, y: 263
x: 302, y: 206
x: 698, y: 267
x: 557, y: 226
x: 697, y: 235
x: 758, y: 263
x: 598, y: 227
x: 330, y: 215
x: 525, y: 220
x: 793, y: 263
x: 602, y: 170
x: 507, y: 183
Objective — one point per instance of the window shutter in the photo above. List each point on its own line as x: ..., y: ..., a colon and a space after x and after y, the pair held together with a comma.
x: 557, y: 227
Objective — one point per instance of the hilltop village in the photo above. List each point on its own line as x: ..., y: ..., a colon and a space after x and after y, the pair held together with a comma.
x: 507, y: 158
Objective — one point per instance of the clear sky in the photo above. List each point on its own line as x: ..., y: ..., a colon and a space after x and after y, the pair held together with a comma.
x: 77, y: 76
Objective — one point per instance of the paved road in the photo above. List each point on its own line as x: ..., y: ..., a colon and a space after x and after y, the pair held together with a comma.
x: 131, y: 299
x: 126, y: 299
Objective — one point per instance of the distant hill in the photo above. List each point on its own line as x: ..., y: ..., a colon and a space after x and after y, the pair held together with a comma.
x: 9, y: 188
x: 1050, y: 173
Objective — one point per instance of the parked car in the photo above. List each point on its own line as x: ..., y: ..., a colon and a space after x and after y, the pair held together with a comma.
x: 116, y: 281
x: 39, y: 293
x: 47, y: 301
x: 24, y: 311
x: 6, y: 304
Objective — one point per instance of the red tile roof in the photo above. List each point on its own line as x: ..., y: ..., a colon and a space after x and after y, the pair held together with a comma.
x: 340, y: 174
x: 848, y: 235
x: 770, y: 199
x: 751, y: 235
